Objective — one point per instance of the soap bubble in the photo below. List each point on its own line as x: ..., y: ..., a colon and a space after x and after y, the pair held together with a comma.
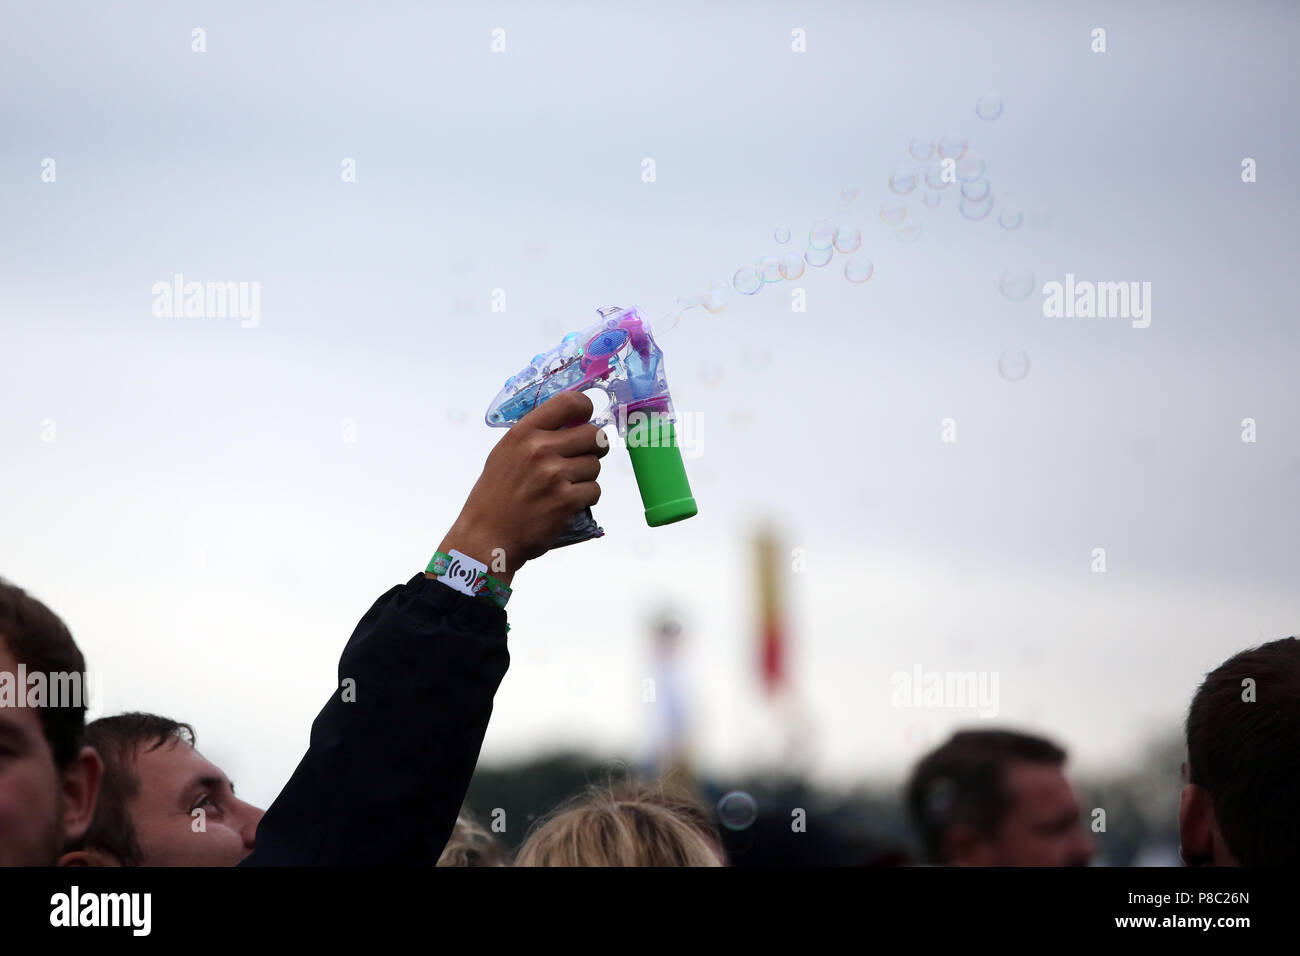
x: 740, y: 418
x: 988, y: 107
x: 859, y: 269
x: 921, y: 147
x: 791, y: 265
x: 975, y: 190
x: 847, y: 195
x: 755, y: 357
x: 685, y: 302
x: 1011, y: 218
x: 893, y: 211
x: 782, y: 234
x: 952, y: 146
x: 934, y: 177
x: 1017, y: 284
x: 715, y: 300
x: 746, y: 280
x: 821, y: 235
x: 1013, y: 365
x: 910, y: 233
x: 737, y: 810
x: 710, y: 375
x: 931, y: 198
x: 970, y: 166
x: 847, y: 238
x: 817, y: 257
x: 769, y: 269
x: 902, y: 181
x: 976, y: 209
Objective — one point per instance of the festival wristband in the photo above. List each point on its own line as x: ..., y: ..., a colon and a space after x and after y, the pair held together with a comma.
x: 462, y: 573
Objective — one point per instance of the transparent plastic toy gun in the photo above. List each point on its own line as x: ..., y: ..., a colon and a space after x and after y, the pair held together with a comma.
x: 619, y: 356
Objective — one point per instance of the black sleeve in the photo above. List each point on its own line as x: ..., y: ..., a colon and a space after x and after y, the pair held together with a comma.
x: 385, y: 774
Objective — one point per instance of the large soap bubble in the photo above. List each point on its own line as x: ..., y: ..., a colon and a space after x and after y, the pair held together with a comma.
x: 746, y: 280
x: 859, y: 269
x: 988, y: 106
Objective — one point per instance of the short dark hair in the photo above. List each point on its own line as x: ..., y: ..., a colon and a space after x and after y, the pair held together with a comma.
x: 964, y: 781
x: 37, y: 638
x: 1245, y: 751
x: 117, y: 739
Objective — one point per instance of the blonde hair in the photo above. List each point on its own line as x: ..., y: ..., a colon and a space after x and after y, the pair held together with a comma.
x: 626, y: 824
x: 471, y: 845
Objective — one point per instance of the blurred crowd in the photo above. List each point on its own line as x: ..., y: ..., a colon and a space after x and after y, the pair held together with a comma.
x: 394, y: 747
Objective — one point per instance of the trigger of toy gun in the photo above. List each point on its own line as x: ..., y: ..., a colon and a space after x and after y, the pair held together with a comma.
x: 581, y: 527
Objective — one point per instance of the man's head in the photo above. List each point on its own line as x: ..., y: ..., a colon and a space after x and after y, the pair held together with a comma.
x: 997, y: 798
x: 48, y: 778
x: 162, y: 803
x: 1242, y: 775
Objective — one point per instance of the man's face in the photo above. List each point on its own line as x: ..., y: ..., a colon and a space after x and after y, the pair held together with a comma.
x: 32, y: 817
x: 175, y: 782
x: 1043, y: 826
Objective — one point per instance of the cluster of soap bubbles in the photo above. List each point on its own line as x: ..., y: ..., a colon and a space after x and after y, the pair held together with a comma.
x: 936, y: 165
x: 825, y: 238
x: 939, y: 164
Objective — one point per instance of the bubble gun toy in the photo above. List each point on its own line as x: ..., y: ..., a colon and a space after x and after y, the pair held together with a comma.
x: 619, y: 356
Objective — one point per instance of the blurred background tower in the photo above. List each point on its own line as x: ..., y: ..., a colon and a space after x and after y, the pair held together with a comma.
x: 669, y: 756
x: 792, y: 730
x: 771, y: 613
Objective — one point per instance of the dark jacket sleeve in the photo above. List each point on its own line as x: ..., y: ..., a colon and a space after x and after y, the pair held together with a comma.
x: 385, y: 774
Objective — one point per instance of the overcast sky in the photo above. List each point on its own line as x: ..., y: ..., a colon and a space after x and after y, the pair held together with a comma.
x: 181, y: 491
